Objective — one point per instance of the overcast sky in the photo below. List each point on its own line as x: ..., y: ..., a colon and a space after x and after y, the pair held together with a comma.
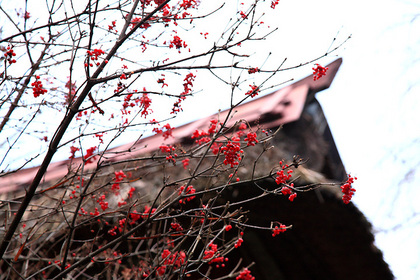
x: 372, y: 109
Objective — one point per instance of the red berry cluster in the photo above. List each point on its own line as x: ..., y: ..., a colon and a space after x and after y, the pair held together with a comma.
x: 177, y: 42
x: 136, y: 20
x: 174, y: 260
x: 102, y: 202
x: 188, y: 84
x: 251, y: 137
x: 253, y: 91
x: 145, y: 102
x: 239, y: 242
x: 208, y: 254
x: 319, y: 71
x: 73, y: 150
x: 215, y: 147
x: 253, y: 70
x: 203, y: 136
x: 89, y: 155
x: 274, y: 3
x: 119, y: 177
x: 99, y: 136
x: 232, y: 152
x: 185, y: 162
x: 189, y: 190
x: 120, y: 227
x: 241, y: 128
x: 146, y: 213
x: 162, y: 81
x: 176, y: 227
x: 37, y: 87
x: 278, y: 229
x: 94, y: 56
x: 245, y: 275
x: 127, y: 101
x: 169, y: 149
x: 288, y: 191
x: 131, y: 192
x: 347, y: 189
x: 166, y: 133
x: 9, y: 54
x: 204, y: 34
x: 282, y: 177
x: 186, y: 4
x: 214, y: 256
x: 111, y: 27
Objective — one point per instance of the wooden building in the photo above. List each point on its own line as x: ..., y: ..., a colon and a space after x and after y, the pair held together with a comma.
x: 329, y: 239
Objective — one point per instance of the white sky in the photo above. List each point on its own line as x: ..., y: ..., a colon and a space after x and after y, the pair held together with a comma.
x: 372, y: 105
x: 373, y: 114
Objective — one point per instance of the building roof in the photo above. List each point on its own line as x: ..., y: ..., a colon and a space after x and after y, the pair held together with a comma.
x: 329, y: 240
x: 272, y: 110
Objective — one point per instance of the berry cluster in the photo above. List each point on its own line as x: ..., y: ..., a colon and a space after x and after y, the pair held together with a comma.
x: 102, y: 202
x: 347, y: 189
x: 185, y: 162
x: 136, y: 20
x: 112, y: 26
x: 174, y: 260
x: 166, y: 131
x: 203, y: 136
x: 94, y: 56
x: 37, y: 87
x: 245, y: 275
x: 89, y: 155
x: 169, y: 150
x: 9, y: 54
x: 177, y: 42
x: 176, y: 227
x: 319, y: 71
x: 214, y: 256
x: 253, y: 91
x: 288, y: 191
x: 208, y: 254
x: 274, y: 3
x: 162, y: 81
x: 73, y: 150
x: 278, y: 229
x: 189, y: 78
x: 253, y: 70
x: 232, y: 152
x: 135, y: 216
x: 282, y: 177
x: 251, y: 137
x: 119, y: 177
x: 239, y: 242
x: 145, y: 102
x: 189, y: 190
